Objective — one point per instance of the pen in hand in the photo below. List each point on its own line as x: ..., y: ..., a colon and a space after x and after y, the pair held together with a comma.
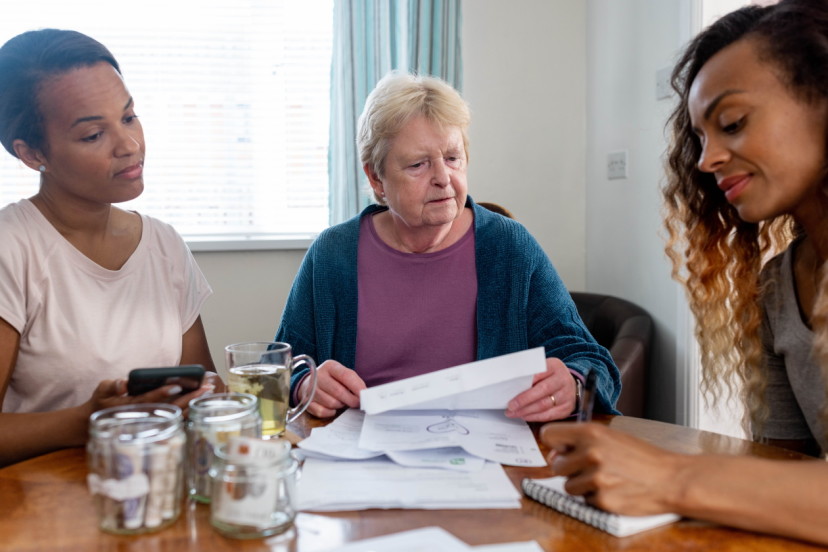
x: 588, y: 400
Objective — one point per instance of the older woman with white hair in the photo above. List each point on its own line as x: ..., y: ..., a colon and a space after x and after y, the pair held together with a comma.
x: 425, y: 279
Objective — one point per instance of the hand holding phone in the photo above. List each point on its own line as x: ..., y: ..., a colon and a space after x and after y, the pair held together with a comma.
x: 143, y: 380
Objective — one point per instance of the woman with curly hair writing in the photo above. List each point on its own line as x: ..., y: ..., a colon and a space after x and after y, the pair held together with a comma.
x: 747, y: 201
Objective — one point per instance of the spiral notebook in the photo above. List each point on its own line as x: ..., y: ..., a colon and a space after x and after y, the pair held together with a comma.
x: 551, y: 492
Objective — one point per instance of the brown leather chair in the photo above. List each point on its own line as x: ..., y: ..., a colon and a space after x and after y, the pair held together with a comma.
x: 496, y: 208
x: 626, y: 330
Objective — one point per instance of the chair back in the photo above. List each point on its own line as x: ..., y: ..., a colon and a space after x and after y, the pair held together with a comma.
x: 496, y: 208
x: 626, y: 330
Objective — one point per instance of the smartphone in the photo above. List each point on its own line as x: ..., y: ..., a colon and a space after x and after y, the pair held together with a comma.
x: 142, y: 380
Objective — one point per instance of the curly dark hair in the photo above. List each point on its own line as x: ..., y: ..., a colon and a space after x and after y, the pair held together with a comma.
x: 715, y: 254
x: 25, y: 62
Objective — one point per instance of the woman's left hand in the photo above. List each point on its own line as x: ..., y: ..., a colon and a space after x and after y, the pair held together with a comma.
x: 211, y: 378
x: 551, y: 397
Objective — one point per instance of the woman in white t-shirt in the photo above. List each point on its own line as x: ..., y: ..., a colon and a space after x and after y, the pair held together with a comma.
x: 88, y: 291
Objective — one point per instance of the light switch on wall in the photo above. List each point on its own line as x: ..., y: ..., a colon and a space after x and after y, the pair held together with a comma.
x: 617, y: 165
x: 663, y: 88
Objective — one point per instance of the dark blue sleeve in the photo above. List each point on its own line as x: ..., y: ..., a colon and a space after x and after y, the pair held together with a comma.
x: 523, y: 303
x: 297, y: 324
x: 555, y: 324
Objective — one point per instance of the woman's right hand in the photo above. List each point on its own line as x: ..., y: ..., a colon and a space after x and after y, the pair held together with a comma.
x: 615, y: 471
x: 336, y: 387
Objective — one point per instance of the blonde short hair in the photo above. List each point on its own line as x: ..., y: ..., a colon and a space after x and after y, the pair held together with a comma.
x: 397, y: 98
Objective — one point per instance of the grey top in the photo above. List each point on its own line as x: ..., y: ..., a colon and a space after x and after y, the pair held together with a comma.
x: 795, y: 391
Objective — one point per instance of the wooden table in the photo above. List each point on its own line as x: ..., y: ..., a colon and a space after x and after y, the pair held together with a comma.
x: 45, y: 505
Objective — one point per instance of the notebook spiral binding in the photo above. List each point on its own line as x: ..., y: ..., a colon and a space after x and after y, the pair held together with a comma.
x: 566, y: 504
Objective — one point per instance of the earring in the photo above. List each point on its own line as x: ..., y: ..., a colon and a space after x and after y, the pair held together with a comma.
x: 42, y: 168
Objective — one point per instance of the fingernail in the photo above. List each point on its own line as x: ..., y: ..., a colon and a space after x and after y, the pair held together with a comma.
x: 174, y: 390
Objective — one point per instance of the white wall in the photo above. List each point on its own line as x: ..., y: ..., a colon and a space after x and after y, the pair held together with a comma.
x: 524, y: 65
x: 249, y: 293
x: 628, y: 42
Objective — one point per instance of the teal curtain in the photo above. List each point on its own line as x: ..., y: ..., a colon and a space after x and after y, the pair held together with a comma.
x: 372, y: 37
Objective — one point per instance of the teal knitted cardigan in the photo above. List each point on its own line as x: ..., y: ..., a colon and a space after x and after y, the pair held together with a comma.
x: 521, y: 302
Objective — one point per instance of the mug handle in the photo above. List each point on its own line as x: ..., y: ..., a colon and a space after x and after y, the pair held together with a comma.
x: 297, y: 410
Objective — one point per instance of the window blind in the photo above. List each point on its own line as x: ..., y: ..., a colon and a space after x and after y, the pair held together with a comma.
x: 233, y: 96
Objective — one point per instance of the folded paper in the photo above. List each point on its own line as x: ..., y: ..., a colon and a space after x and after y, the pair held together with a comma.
x: 484, y: 384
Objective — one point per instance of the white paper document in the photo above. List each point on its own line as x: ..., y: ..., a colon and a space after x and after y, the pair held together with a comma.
x: 338, y: 439
x: 485, y: 384
x: 449, y: 458
x: 488, y: 434
x: 328, y: 485
x: 430, y: 539
x: 427, y: 539
x: 525, y: 546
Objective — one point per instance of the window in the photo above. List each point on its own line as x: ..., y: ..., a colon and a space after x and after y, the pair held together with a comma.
x: 234, y: 99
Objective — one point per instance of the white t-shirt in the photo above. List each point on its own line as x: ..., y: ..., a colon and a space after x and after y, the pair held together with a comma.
x: 80, y: 323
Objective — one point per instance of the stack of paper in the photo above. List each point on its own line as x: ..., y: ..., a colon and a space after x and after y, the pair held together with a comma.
x: 328, y: 485
x: 386, y: 457
x: 460, y: 440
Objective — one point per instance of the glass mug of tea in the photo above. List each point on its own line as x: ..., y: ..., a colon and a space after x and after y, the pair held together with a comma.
x: 263, y: 369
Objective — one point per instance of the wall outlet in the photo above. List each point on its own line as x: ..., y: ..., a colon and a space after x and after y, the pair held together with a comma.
x: 617, y: 165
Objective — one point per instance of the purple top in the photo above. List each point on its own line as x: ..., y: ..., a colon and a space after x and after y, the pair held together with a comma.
x: 417, y: 312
